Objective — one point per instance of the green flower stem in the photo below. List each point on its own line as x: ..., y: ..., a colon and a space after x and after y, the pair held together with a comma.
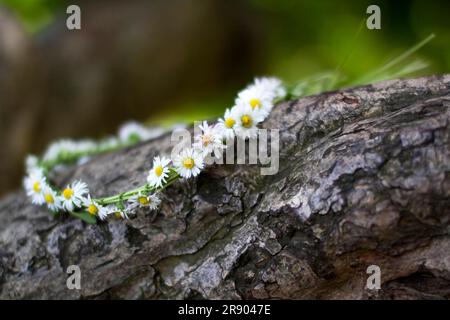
x: 72, y: 157
x: 145, y: 189
x: 69, y: 158
x: 122, y: 196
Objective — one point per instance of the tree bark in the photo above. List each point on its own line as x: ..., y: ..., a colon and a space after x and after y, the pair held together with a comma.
x: 364, y: 180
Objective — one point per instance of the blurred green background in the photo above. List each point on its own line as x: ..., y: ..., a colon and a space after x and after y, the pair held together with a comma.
x: 306, y: 37
x: 175, y: 61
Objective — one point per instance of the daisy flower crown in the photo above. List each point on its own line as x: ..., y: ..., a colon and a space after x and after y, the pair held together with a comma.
x: 252, y: 106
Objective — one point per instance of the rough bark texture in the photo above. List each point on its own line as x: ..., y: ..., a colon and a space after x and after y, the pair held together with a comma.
x: 364, y: 179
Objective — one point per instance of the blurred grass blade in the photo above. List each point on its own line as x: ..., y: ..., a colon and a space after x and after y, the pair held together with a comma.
x: 315, y: 84
x: 410, y: 68
x: 383, y: 73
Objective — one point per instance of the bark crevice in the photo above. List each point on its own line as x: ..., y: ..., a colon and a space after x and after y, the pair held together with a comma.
x: 364, y: 179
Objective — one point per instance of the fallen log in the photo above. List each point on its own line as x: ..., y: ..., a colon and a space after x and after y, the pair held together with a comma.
x: 364, y: 180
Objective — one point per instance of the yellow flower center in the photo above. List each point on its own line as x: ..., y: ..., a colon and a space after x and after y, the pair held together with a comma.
x: 229, y: 123
x: 49, y: 198
x: 68, y: 193
x: 188, y: 163
x: 206, y: 140
x: 92, y: 209
x: 36, y: 187
x: 143, y: 200
x: 255, y: 103
x: 159, y: 170
x: 246, y: 121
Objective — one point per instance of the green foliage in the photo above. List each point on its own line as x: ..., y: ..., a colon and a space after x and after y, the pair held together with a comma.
x: 315, y: 45
x: 34, y: 14
x: 191, y: 111
x: 394, y: 68
x: 85, y: 216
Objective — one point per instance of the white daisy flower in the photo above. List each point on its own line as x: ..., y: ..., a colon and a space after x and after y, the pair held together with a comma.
x: 273, y: 85
x: 85, y: 146
x: 31, y: 163
x: 94, y: 209
x: 65, y: 147
x: 210, y: 140
x: 257, y: 98
x: 247, y: 121
x: 158, y: 174
x: 108, y: 143
x: 73, y: 195
x: 145, y: 201
x: 117, y: 212
x: 34, y: 184
x: 51, y: 198
x: 132, y: 132
x: 188, y: 163
x: 56, y: 148
x: 227, y: 124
